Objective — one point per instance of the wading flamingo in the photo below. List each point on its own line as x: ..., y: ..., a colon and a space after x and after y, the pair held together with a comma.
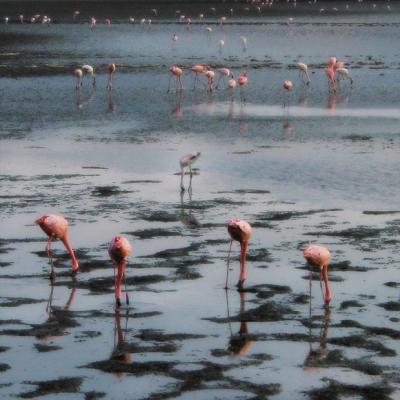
x: 56, y: 227
x: 119, y: 250
x: 198, y: 70
x: 210, y: 75
x: 78, y: 76
x: 185, y: 162
x: 320, y: 256
x: 304, y: 72
x: 331, y: 75
x: 93, y: 23
x: 243, y: 40
x: 240, y: 231
x: 344, y: 72
x: 111, y: 71
x: 177, y: 72
x: 88, y: 70
x: 223, y: 73
x: 288, y: 86
x: 243, y: 80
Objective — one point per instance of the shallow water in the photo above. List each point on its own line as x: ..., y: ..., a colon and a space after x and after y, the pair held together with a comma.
x: 322, y: 168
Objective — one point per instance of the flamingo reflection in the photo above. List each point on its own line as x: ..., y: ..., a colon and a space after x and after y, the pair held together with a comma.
x: 82, y: 101
x: 186, y: 216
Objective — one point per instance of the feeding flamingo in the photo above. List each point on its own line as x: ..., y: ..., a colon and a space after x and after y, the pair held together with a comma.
x: 210, y: 75
x: 304, y: 71
x: 344, y: 72
x: 78, y: 76
x: 93, y: 23
x: 198, y: 70
x: 177, y: 72
x: 119, y: 250
x: 223, y: 73
x: 185, y: 162
x: 331, y: 75
x: 320, y: 256
x: 56, y: 227
x: 111, y: 71
x: 240, y: 231
x: 89, y: 70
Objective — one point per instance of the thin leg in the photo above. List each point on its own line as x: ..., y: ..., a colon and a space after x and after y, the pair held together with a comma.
x: 169, y: 83
x: 126, y: 290
x: 227, y: 266
x: 182, y: 173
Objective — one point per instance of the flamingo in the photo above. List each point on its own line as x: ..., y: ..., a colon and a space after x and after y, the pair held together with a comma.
x: 223, y: 73
x: 75, y: 14
x: 243, y: 81
x: 338, y: 64
x: 178, y: 73
x: 221, y: 45
x: 209, y: 29
x: 304, y: 70
x: 210, y: 75
x: 231, y: 83
x: 320, y: 256
x: 56, y: 227
x: 131, y: 20
x: 119, y: 250
x: 344, y: 72
x: 222, y: 20
x: 243, y: 40
x: 331, y: 61
x: 198, y: 69
x: 111, y: 71
x: 93, y: 23
x: 21, y: 19
x: 6, y: 19
x: 185, y: 162
x: 330, y: 73
x: 288, y: 85
x: 78, y: 75
x: 174, y: 37
x: 89, y: 70
x: 239, y: 230
x: 107, y: 21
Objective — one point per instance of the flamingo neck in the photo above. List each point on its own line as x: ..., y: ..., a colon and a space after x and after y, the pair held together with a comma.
x: 67, y: 244
x: 118, y: 280
x: 243, y: 254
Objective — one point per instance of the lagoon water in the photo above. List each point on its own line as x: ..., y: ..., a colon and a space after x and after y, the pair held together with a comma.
x: 322, y: 169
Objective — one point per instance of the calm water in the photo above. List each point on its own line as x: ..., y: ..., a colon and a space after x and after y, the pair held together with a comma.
x: 322, y: 169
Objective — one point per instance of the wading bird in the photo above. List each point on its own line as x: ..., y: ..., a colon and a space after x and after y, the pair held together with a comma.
x: 111, y: 71
x: 198, y: 70
x: 223, y: 73
x: 88, y: 70
x: 331, y: 75
x: 304, y: 72
x: 177, y: 72
x: 56, y: 227
x: 240, y: 231
x: 344, y: 72
x: 78, y: 76
x: 210, y: 75
x: 119, y: 250
x: 320, y: 256
x: 186, y: 162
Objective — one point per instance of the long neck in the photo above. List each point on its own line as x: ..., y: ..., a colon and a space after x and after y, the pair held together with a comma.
x: 328, y: 294
x: 67, y: 244
x: 118, y: 279
x: 243, y: 253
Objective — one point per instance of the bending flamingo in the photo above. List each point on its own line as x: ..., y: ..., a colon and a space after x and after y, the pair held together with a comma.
x: 223, y: 73
x: 78, y: 76
x: 210, y: 75
x: 119, y: 250
x: 111, y: 71
x: 240, y: 231
x: 187, y: 161
x: 320, y: 256
x: 198, y: 70
x: 89, y: 70
x: 304, y: 71
x: 177, y: 72
x: 56, y: 227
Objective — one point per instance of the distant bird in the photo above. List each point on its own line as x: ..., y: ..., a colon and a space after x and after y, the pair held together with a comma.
x: 6, y: 19
x: 88, y: 70
x: 186, y: 162
x: 177, y: 72
x: 111, y: 71
x: 320, y: 256
x: 21, y: 19
x: 78, y: 76
x: 208, y: 29
x: 221, y: 45
x: 223, y: 73
x: 222, y: 20
x: 174, y: 37
x: 119, y: 250
x: 304, y: 72
x: 201, y: 17
x: 107, y: 21
x: 210, y: 75
x: 243, y: 40
x: 290, y: 20
x: 154, y: 11
x: 75, y: 14
x: 56, y: 227
x: 231, y: 83
x: 131, y: 20
x: 243, y: 80
x: 344, y: 72
x: 240, y: 231
x: 288, y: 85
x: 93, y: 22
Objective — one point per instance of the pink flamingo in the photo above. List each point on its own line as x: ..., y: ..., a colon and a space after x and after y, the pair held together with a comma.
x: 330, y: 73
x: 56, y: 227
x: 288, y: 85
x: 198, y: 70
x: 119, y: 250
x: 243, y: 81
x: 107, y: 21
x: 78, y: 73
x: 93, y: 22
x: 304, y: 70
x: 240, y: 231
x: 177, y: 72
x: 223, y: 73
x: 210, y: 75
x: 111, y: 71
x: 320, y: 256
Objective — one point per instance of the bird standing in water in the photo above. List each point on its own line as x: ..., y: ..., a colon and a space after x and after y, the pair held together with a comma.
x: 320, y: 256
x: 178, y: 74
x: 119, y: 250
x: 78, y: 76
x: 304, y: 71
x: 56, y: 227
x: 89, y: 70
x: 111, y: 71
x: 240, y: 231
x: 187, y: 161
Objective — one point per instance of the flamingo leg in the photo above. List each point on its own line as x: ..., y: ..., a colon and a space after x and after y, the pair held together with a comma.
x: 169, y: 83
x: 227, y: 265
x: 126, y: 290
x: 182, y: 173
x: 180, y: 83
x: 195, y: 80
x: 219, y: 79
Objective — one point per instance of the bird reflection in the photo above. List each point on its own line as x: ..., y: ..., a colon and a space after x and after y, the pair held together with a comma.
x: 337, y: 98
x: 239, y: 344
x: 119, y: 352
x: 82, y: 101
x: 112, y: 106
x: 287, y: 127
x: 186, y: 216
x: 49, y: 306
x: 177, y: 111
x: 316, y: 356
